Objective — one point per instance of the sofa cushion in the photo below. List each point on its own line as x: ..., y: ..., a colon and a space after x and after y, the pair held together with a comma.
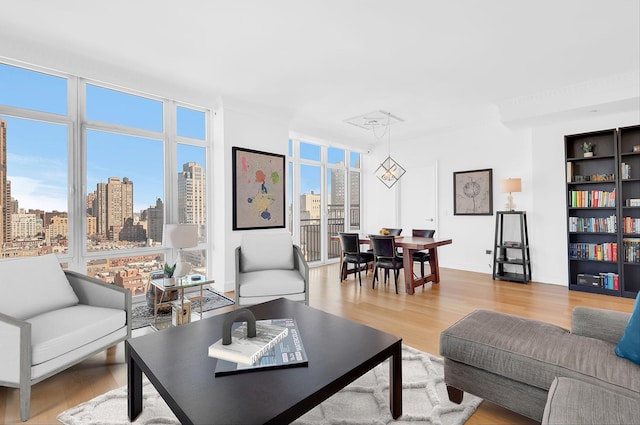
x: 36, y: 284
x: 571, y: 401
x: 535, y: 352
x: 266, y: 251
x: 271, y: 283
x: 58, y: 332
x: 629, y: 345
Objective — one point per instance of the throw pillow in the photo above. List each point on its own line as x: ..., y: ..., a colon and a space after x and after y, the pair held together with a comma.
x: 629, y: 345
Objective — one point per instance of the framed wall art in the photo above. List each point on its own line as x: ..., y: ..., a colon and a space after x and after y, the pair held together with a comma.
x: 473, y: 192
x: 258, y: 189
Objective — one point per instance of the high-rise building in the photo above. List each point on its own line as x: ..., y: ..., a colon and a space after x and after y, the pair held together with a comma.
x: 3, y: 182
x: 25, y: 225
x: 113, y: 204
x: 337, y: 186
x: 7, y: 210
x: 310, y: 206
x: 155, y: 220
x: 191, y: 194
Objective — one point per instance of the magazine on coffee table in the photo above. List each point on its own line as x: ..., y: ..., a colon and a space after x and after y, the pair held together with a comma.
x: 288, y: 352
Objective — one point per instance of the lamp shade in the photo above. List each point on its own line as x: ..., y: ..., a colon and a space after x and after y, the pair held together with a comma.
x: 510, y: 185
x: 180, y: 235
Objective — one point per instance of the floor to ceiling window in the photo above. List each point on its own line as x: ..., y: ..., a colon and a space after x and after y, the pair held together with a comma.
x: 324, y: 196
x: 91, y: 173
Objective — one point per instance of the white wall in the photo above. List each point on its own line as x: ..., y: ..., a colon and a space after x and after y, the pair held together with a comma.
x: 481, y: 146
x: 250, y: 128
x: 536, y: 155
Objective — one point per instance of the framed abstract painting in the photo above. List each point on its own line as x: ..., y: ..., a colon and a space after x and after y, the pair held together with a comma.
x: 473, y: 192
x: 258, y: 189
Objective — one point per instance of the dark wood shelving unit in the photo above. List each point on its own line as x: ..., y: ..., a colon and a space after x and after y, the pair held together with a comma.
x: 598, y: 258
x: 511, y: 260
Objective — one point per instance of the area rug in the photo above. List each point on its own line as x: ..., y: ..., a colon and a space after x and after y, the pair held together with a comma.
x: 365, y: 401
x: 142, y: 314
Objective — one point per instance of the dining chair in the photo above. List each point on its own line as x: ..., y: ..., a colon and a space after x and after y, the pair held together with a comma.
x: 422, y: 256
x: 386, y: 257
x: 393, y: 232
x: 351, y: 254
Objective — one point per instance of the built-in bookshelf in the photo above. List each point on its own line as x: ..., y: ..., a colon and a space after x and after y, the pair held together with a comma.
x: 603, y: 211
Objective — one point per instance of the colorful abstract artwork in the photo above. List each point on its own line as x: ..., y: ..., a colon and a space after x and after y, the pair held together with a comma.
x: 258, y: 189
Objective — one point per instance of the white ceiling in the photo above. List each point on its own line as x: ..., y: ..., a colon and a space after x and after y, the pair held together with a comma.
x: 433, y: 63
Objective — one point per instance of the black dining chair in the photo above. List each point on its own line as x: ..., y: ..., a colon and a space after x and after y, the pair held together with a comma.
x: 386, y: 257
x: 394, y: 232
x: 422, y: 256
x: 350, y: 244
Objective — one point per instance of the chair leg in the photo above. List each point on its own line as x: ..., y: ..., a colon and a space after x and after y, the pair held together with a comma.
x: 25, y: 401
x: 343, y: 272
x: 359, y: 274
x: 396, y: 273
x: 375, y: 277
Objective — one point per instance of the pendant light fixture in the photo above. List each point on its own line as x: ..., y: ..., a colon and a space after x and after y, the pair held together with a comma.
x: 389, y: 171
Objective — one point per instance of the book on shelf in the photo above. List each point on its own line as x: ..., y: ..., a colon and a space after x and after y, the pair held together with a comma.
x: 248, y: 350
x: 288, y: 352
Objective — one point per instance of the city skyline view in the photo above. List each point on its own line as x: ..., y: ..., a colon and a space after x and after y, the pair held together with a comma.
x: 37, y: 156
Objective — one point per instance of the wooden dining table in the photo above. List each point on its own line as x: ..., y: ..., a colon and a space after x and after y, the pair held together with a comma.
x: 409, y: 245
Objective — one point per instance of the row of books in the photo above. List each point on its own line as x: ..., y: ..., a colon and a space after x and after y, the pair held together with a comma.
x: 593, y: 224
x: 632, y: 202
x: 631, y: 251
x: 607, y: 251
x: 631, y: 224
x: 601, y: 280
x: 592, y: 198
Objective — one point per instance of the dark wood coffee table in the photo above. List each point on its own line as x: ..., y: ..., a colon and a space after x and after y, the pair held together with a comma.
x: 339, y: 351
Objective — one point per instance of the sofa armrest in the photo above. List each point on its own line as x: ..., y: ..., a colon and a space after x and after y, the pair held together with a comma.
x: 606, y: 325
x: 301, y: 265
x: 94, y: 292
x: 15, y: 356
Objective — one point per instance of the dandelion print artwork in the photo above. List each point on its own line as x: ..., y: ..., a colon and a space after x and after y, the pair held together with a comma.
x: 473, y: 192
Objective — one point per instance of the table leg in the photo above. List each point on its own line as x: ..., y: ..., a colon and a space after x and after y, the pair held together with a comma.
x: 134, y: 381
x: 407, y: 262
x: 433, y: 263
x: 395, y: 382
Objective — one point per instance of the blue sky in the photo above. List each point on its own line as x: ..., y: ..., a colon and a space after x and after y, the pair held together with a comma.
x: 37, y: 157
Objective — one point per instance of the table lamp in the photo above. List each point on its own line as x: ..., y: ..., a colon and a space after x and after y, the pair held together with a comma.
x: 180, y: 236
x: 509, y: 186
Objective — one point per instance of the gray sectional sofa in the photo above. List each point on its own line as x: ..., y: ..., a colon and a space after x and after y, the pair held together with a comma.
x: 543, y: 371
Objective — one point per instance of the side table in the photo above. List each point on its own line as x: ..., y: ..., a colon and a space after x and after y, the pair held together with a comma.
x: 179, y: 283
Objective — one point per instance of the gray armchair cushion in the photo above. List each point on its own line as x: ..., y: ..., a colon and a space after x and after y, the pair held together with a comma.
x: 57, y: 332
x: 271, y: 282
x: 266, y: 251
x: 36, y: 285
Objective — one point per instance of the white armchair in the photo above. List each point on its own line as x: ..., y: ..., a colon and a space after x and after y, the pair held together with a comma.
x: 270, y: 266
x: 51, y: 319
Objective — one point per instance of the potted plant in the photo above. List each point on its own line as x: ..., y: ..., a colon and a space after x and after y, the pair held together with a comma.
x: 587, y: 148
x: 168, y: 273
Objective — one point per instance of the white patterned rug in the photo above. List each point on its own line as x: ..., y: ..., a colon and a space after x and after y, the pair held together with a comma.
x: 365, y: 401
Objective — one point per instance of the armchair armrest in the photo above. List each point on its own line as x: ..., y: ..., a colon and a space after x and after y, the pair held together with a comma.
x: 15, y: 356
x: 303, y: 268
x: 94, y: 292
x: 606, y: 325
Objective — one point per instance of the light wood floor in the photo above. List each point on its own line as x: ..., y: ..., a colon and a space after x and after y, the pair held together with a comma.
x: 418, y: 319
